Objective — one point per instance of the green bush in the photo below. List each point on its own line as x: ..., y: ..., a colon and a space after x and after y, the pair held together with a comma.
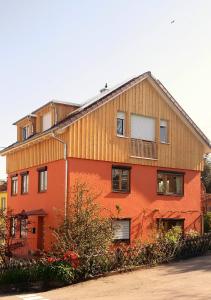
x: 207, y: 222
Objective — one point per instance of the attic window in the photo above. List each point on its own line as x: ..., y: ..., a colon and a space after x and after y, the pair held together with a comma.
x: 46, y: 121
x: 26, y: 132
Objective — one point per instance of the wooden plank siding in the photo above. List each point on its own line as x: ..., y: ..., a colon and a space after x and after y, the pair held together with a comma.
x: 94, y: 135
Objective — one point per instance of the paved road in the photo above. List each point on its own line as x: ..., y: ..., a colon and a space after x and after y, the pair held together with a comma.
x: 190, y: 279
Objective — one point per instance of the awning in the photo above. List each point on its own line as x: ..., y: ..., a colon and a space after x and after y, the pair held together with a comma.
x: 36, y: 212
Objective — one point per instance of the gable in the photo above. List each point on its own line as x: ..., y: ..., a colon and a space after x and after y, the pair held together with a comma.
x: 94, y: 135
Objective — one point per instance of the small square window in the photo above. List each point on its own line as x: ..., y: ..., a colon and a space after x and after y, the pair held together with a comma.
x: 169, y: 183
x: 121, y: 123
x: 121, y: 179
x: 14, y: 185
x: 43, y: 179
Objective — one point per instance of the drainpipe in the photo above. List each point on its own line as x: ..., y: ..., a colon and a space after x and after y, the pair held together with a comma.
x: 66, y: 173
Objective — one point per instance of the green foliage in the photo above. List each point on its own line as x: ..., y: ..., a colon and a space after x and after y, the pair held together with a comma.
x: 87, y: 230
x: 207, y: 222
x: 37, y: 271
x: 206, y: 174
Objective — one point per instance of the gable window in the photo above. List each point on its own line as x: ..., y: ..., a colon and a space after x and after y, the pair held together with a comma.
x: 42, y: 179
x: 121, y: 179
x: 169, y: 183
x: 142, y: 128
x: 25, y: 183
x: 163, y: 131
x: 121, y: 123
x: 46, y: 121
x: 14, y: 185
x: 3, y: 203
x: 25, y: 132
x: 121, y: 229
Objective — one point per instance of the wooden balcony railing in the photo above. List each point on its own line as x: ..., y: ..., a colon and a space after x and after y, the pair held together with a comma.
x: 143, y: 149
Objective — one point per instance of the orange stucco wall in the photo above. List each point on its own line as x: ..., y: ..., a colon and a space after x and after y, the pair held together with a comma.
x: 142, y: 204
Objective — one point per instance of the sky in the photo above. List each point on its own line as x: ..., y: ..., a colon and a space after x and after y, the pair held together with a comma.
x: 67, y: 50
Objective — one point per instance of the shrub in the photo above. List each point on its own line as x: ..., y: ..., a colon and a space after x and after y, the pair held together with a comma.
x: 86, y: 230
x: 207, y: 222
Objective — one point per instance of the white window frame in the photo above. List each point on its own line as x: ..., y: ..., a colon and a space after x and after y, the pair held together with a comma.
x: 164, y: 124
x: 27, y: 130
x: 137, y: 124
x: 119, y: 224
x: 46, y: 121
x: 3, y: 202
x: 43, y: 180
x: 121, y: 117
x: 14, y: 185
x: 25, y: 183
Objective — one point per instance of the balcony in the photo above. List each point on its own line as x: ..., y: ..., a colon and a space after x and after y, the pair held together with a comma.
x: 143, y: 149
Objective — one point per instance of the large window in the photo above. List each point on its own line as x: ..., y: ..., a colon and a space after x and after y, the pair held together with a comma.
x: 46, y: 121
x: 169, y: 183
x: 24, y: 183
x: 168, y: 223
x: 120, y: 179
x: 14, y: 185
x: 163, y: 131
x: 42, y: 179
x: 121, y: 230
x: 121, y: 123
x: 142, y: 128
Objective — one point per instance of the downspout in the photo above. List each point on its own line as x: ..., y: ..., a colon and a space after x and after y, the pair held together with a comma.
x: 66, y: 173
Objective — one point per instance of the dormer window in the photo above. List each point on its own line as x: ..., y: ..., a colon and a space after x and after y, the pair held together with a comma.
x: 46, y: 121
x: 26, y: 132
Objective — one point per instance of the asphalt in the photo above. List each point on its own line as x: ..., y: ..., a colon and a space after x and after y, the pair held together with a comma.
x: 188, y: 279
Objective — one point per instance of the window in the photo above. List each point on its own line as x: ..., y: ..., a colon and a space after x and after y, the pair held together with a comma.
x: 121, y: 123
x: 167, y: 224
x: 120, y: 179
x: 43, y: 179
x: 169, y: 183
x: 25, y: 183
x: 163, y: 131
x: 12, y: 226
x: 14, y: 185
x: 142, y: 128
x: 121, y: 230
x: 46, y: 121
x: 25, y: 132
x: 23, y: 228
x: 3, y: 203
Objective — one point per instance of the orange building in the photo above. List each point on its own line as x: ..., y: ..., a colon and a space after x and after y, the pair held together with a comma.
x: 133, y: 142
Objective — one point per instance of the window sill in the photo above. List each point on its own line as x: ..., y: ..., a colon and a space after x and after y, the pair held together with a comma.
x: 41, y: 192
x: 14, y: 195
x: 121, y: 192
x: 23, y: 194
x: 122, y: 136
x: 171, y: 195
x: 164, y: 143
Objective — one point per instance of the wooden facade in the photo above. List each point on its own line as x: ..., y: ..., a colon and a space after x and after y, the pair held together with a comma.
x: 93, y: 136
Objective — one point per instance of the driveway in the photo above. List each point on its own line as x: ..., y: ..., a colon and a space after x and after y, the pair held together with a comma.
x: 189, y: 279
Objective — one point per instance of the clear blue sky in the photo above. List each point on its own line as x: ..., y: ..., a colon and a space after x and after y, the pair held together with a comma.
x: 67, y: 50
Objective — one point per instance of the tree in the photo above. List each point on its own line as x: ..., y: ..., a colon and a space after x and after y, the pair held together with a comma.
x: 87, y: 229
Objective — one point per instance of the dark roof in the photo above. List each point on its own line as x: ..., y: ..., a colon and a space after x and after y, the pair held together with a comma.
x: 104, y: 97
